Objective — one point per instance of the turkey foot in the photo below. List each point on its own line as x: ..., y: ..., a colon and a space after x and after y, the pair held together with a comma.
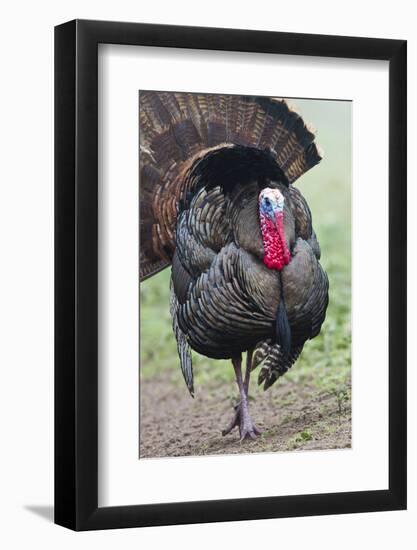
x: 241, y: 418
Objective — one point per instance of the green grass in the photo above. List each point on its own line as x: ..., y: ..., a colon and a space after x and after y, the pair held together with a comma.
x: 325, y: 361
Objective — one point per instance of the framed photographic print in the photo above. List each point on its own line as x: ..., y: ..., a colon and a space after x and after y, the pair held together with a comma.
x: 230, y: 275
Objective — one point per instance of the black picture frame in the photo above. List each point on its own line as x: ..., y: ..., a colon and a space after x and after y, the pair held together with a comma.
x: 76, y: 271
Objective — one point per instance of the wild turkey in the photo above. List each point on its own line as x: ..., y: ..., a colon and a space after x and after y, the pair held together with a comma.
x: 217, y: 202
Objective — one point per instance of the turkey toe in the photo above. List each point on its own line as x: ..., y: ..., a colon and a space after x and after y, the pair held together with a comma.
x: 234, y: 422
x: 242, y: 420
x: 247, y: 429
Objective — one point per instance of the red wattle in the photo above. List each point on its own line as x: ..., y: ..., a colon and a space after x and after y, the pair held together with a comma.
x: 276, y: 251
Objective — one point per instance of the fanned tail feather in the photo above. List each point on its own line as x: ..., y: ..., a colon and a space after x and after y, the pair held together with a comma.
x: 175, y: 127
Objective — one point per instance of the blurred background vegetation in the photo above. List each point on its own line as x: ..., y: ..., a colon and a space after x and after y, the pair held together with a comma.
x: 326, y: 360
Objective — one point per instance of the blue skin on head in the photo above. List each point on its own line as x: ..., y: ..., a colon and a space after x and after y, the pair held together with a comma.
x: 271, y: 203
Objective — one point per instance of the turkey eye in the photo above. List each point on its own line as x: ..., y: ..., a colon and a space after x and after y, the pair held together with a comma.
x: 267, y: 202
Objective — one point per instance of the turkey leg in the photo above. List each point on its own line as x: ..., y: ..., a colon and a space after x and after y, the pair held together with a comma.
x: 242, y: 418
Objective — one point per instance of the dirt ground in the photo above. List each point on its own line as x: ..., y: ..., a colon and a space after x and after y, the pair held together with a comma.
x: 292, y: 418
